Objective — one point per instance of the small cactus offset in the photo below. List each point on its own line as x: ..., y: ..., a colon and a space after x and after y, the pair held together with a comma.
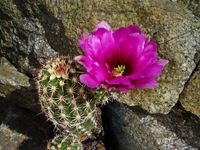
x: 62, y: 142
x: 65, y: 101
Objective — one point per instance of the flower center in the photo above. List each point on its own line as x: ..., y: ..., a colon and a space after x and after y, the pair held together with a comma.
x: 61, y: 69
x: 118, y: 71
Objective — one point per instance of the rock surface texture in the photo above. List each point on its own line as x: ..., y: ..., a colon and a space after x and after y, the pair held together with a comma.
x: 10, y: 139
x: 135, y: 129
x: 10, y: 78
x: 190, y: 97
x: 22, y: 129
x: 33, y: 31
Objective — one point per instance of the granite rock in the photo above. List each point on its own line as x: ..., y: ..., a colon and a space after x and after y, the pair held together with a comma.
x: 136, y: 129
x: 21, y: 129
x: 10, y: 139
x: 10, y: 78
x: 29, y: 36
x: 193, y: 5
x: 190, y: 97
x: 23, y: 31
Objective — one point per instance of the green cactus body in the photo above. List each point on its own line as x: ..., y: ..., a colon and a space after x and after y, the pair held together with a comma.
x: 61, y: 142
x: 65, y: 101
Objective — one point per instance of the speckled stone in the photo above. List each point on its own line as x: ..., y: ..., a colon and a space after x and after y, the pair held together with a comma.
x: 10, y: 78
x: 21, y: 129
x: 190, y: 97
x: 24, y: 35
x: 135, y: 129
x: 29, y: 36
x: 193, y: 5
x: 10, y: 139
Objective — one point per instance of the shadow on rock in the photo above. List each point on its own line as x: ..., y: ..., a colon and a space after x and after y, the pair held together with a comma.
x: 34, y: 127
x: 132, y: 128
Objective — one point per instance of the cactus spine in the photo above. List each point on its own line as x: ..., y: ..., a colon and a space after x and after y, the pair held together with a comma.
x: 62, y: 142
x: 65, y: 101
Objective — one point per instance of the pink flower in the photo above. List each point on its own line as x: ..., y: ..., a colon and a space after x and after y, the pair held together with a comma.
x: 119, y: 60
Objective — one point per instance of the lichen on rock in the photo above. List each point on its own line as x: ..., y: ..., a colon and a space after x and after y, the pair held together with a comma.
x: 190, y: 97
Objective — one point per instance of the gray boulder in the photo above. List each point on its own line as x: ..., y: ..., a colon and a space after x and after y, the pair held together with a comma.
x: 135, y: 129
x: 10, y: 78
x: 10, y: 140
x: 190, y: 97
x: 21, y: 129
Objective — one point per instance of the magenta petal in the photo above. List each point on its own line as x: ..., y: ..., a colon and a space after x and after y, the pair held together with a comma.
x: 121, y: 84
x: 108, y: 48
x: 85, y: 61
x: 121, y: 34
x: 134, y: 28
x: 95, y: 43
x: 99, y: 73
x: 135, y: 76
x: 144, y: 61
x: 130, y: 50
x: 153, y: 70
x: 146, y: 83
x: 141, y: 39
x: 99, y: 33
x: 83, y: 40
x: 89, y: 81
x: 103, y: 25
x: 105, y: 51
x: 163, y: 62
x: 122, y: 80
x: 150, y: 46
x: 79, y: 59
x: 92, y: 46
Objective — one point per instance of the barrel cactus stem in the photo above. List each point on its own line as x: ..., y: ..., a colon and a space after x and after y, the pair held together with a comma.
x: 65, y: 101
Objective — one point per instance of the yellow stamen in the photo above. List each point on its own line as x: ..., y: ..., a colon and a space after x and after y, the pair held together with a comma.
x: 118, y: 71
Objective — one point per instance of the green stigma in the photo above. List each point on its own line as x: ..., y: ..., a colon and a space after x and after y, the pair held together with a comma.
x: 119, y: 70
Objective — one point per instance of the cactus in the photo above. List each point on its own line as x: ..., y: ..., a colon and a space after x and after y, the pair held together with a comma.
x: 65, y: 101
x: 62, y: 142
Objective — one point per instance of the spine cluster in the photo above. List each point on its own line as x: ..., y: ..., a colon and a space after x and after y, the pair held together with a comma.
x: 62, y: 142
x: 66, y: 102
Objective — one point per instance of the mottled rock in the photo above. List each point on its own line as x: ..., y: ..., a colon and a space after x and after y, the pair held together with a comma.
x: 10, y: 78
x: 193, y: 5
x: 190, y: 97
x: 171, y: 24
x: 135, y: 129
x: 22, y: 129
x: 24, y: 39
x: 29, y: 35
x: 10, y: 140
